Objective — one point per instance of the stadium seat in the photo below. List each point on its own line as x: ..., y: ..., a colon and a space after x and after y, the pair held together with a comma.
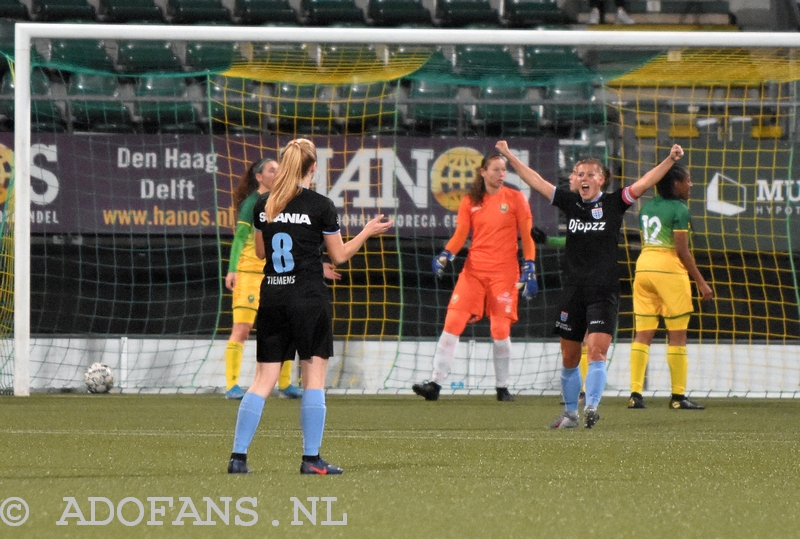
x: 482, y: 61
x: 88, y: 53
x: 196, y: 11
x: 263, y: 12
x: 328, y: 12
x: 60, y: 10
x: 398, y: 12
x: 437, y: 112
x: 516, y: 118
x: 303, y: 110
x: 129, y: 11
x: 168, y: 110
x: 569, y: 107
x: 46, y: 117
x: 147, y: 56
x: 105, y: 115
x: 527, y: 13
x: 368, y: 108
x: 13, y: 9
x: 549, y: 65
x: 236, y: 106
x: 210, y: 55
x: 466, y: 12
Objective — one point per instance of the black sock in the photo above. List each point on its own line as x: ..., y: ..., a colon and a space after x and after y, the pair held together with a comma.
x: 239, y: 456
x: 310, y: 458
x: 678, y: 397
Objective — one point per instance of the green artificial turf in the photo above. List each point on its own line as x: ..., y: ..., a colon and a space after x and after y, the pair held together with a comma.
x: 462, y: 467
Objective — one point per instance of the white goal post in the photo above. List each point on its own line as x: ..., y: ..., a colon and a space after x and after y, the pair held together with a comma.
x: 26, y: 32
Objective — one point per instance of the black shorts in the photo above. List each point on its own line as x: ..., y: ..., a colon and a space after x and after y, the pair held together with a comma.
x: 302, y: 328
x: 592, y: 309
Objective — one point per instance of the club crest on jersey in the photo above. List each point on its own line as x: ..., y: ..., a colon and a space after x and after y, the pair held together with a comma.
x: 597, y: 213
x: 295, y: 218
x: 503, y: 207
x: 564, y: 316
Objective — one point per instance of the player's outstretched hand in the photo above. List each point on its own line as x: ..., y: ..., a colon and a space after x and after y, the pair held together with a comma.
x: 501, y: 146
x: 440, y: 262
x: 527, y: 281
x: 378, y: 226
x: 676, y: 152
x: 329, y: 271
x: 538, y: 235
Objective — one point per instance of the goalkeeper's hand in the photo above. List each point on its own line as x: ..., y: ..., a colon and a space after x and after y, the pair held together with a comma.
x: 440, y: 262
x: 527, y: 282
x: 538, y: 235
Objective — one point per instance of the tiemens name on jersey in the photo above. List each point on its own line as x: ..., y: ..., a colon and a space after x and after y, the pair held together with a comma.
x: 576, y: 225
x: 295, y: 218
x: 280, y: 280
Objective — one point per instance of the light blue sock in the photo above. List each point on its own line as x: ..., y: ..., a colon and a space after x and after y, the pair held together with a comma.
x: 571, y: 388
x: 595, y: 382
x: 312, y: 420
x: 247, y: 421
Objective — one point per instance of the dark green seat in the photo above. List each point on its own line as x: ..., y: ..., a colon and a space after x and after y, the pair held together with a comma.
x: 60, y: 10
x: 210, y: 55
x: 264, y: 11
x: 197, y: 11
x: 548, y: 65
x: 87, y: 53
x: 236, y: 107
x: 147, y: 56
x: 466, y: 12
x: 480, y: 61
x: 163, y: 106
x: 570, y: 106
x: 328, y: 12
x: 368, y: 108
x: 517, y: 117
x: 398, y: 12
x: 527, y: 13
x: 13, y: 9
x: 303, y: 109
x: 105, y: 113
x: 46, y: 117
x: 129, y: 11
x: 433, y: 110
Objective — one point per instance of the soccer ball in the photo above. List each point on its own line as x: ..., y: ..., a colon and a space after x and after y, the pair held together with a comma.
x: 99, y: 378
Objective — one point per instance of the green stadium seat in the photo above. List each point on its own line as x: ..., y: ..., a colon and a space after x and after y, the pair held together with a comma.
x: 482, y: 61
x: 466, y: 12
x: 516, y: 118
x: 368, y: 108
x: 528, y: 13
x: 60, y: 10
x: 236, y: 106
x: 570, y: 107
x: 210, y: 55
x: 263, y: 12
x: 129, y: 11
x: 303, y: 110
x: 147, y: 56
x: 197, y: 11
x: 46, y: 117
x: 398, y: 13
x: 549, y: 65
x: 167, y: 110
x: 106, y: 114
x: 86, y: 53
x: 13, y: 9
x: 433, y: 109
x: 330, y: 12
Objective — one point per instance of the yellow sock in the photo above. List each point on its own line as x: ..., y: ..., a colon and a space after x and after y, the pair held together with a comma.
x: 678, y: 361
x: 233, y: 363
x: 640, y: 355
x: 285, y: 379
x: 584, y: 366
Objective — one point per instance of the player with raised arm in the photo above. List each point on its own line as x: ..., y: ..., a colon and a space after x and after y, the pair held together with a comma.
x: 661, y: 287
x: 590, y: 302
x: 295, y: 312
x: 496, y: 216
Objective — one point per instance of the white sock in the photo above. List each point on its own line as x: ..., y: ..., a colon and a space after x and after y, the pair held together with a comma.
x: 502, y: 357
x: 445, y: 354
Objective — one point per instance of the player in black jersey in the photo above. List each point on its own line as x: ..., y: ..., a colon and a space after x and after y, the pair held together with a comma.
x: 590, y: 303
x: 295, y: 313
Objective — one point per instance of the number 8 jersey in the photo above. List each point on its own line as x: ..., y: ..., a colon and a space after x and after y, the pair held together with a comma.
x: 293, y: 243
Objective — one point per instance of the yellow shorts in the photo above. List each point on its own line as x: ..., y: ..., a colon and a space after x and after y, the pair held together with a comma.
x: 666, y: 295
x: 245, y: 297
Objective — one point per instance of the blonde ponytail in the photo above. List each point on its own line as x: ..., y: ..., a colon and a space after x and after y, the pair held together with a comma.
x: 296, y: 161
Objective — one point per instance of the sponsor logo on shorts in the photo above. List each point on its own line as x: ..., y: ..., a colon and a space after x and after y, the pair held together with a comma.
x: 564, y: 316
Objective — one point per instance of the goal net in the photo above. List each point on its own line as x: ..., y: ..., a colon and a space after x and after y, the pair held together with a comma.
x: 128, y: 147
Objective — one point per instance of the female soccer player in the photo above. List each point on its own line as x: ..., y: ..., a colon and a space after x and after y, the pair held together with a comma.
x: 496, y: 216
x: 245, y: 271
x: 661, y: 287
x: 590, y: 302
x: 295, y: 311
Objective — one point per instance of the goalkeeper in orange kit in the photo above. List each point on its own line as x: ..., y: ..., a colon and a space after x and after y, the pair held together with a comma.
x: 496, y: 216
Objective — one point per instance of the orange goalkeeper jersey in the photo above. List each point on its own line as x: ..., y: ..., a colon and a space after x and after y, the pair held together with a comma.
x: 495, y: 226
